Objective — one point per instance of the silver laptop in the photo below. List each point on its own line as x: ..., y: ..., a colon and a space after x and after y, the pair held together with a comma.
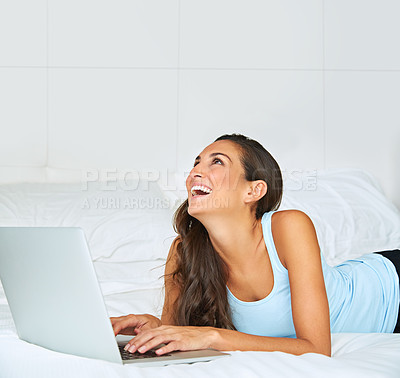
x: 55, y: 298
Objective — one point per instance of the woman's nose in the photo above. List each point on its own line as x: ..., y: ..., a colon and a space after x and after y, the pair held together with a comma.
x: 196, y: 171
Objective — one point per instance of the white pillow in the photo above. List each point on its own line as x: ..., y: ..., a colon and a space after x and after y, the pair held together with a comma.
x: 120, y: 225
x: 349, y: 211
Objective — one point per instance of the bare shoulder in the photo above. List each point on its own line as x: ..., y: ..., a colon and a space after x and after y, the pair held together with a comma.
x: 174, y: 245
x: 284, y: 219
x: 293, y: 230
x: 172, y: 255
x: 171, y: 288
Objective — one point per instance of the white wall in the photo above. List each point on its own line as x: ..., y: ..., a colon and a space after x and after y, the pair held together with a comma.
x: 146, y: 84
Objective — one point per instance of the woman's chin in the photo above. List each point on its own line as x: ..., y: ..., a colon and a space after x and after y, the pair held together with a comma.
x: 201, y: 206
x: 194, y: 211
x: 198, y: 207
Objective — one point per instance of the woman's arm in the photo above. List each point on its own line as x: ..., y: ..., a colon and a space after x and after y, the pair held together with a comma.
x: 171, y: 288
x: 296, y: 240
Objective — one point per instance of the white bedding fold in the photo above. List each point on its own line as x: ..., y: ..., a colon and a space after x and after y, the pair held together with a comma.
x: 355, y: 355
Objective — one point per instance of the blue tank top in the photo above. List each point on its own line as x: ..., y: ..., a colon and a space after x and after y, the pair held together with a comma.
x: 350, y: 287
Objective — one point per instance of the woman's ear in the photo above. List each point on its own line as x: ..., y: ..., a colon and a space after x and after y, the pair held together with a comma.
x: 257, y: 190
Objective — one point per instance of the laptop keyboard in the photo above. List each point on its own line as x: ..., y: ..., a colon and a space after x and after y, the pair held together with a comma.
x: 134, y: 356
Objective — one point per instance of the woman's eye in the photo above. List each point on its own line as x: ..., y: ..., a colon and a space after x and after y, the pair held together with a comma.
x: 195, y: 163
x: 217, y: 161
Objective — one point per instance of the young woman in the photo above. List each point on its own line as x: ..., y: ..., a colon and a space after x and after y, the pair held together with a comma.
x: 243, y: 276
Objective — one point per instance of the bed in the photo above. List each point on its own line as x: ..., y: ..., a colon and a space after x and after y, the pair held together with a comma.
x: 129, y: 231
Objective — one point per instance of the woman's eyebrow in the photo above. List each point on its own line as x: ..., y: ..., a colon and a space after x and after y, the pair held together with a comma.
x: 220, y: 153
x: 198, y: 158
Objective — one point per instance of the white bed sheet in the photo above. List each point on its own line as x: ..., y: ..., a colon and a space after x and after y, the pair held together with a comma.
x: 353, y: 355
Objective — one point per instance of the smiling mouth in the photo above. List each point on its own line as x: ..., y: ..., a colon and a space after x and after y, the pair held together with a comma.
x: 200, y: 190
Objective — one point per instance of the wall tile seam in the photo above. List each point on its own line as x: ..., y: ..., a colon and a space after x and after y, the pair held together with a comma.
x: 199, y: 68
x: 178, y: 88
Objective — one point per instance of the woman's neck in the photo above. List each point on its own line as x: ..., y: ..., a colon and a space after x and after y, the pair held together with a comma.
x: 237, y: 239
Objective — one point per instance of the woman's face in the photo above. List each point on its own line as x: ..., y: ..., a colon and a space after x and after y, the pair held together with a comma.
x: 216, y: 182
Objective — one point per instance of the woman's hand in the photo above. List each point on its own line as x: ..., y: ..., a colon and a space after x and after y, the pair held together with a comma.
x: 175, y: 338
x: 133, y: 324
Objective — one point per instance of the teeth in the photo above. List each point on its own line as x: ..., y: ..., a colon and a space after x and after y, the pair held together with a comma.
x: 200, y: 187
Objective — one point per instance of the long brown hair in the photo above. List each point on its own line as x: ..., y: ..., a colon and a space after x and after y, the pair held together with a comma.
x: 200, y: 272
